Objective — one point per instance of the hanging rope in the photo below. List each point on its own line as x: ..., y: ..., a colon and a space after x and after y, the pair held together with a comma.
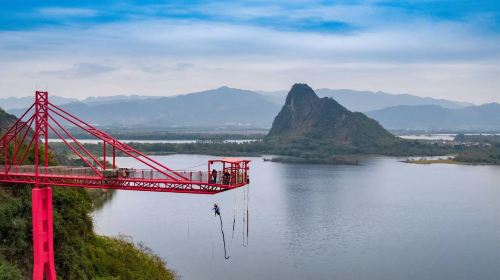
x: 217, y: 212
x: 234, y: 216
x: 245, y: 217
x: 248, y: 213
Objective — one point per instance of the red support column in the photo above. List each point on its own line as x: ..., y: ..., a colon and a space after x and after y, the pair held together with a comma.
x: 104, y: 154
x: 43, y: 239
x: 114, y: 158
x: 5, y: 155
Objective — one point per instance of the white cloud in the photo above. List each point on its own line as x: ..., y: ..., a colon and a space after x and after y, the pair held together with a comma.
x: 157, y: 57
x: 79, y: 70
x: 157, y: 68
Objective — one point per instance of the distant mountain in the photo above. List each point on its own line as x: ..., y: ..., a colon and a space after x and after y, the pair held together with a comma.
x: 10, y: 103
x: 229, y: 108
x: 363, y: 101
x: 310, y: 121
x: 431, y: 117
x: 220, y: 107
x: 94, y: 100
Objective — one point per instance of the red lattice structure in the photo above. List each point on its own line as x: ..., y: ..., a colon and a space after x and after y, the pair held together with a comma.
x: 31, y: 133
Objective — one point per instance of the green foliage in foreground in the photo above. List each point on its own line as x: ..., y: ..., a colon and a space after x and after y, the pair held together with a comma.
x: 121, y: 259
x: 80, y: 253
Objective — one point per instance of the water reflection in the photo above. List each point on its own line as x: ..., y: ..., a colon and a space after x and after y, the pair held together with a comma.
x: 381, y: 220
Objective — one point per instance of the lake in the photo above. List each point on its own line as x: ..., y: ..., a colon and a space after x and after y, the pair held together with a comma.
x: 381, y: 220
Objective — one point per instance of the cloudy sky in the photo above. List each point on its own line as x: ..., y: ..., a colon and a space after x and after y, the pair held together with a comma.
x: 443, y: 49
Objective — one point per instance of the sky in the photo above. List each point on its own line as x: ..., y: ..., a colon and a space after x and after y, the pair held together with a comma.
x: 442, y: 49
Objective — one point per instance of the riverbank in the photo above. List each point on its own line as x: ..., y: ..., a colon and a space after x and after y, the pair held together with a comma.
x: 434, y: 161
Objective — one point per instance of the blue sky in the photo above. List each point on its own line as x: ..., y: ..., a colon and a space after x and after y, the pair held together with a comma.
x: 443, y: 49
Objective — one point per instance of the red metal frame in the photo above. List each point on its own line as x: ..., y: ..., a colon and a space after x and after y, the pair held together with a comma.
x: 158, y: 178
x: 43, y: 240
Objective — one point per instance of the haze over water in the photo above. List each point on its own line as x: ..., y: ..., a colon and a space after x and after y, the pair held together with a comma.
x: 382, y: 220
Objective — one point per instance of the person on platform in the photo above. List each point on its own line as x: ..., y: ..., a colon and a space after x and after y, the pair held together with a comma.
x: 227, y: 177
x: 214, y: 176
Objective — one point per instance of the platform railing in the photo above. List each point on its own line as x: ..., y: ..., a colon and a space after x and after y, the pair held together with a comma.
x: 197, y: 176
x: 51, y: 170
x: 126, y: 173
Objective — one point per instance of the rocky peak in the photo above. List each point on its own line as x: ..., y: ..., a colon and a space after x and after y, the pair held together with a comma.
x: 300, y: 94
x: 306, y: 118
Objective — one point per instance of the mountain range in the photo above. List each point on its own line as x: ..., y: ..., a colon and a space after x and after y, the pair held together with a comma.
x: 364, y: 101
x: 432, y: 117
x: 14, y: 103
x: 229, y: 107
x: 221, y: 107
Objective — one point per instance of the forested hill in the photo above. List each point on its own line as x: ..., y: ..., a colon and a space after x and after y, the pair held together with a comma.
x: 6, y: 120
x: 308, y: 120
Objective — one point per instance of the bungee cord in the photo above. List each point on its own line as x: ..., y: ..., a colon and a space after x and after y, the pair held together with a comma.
x: 217, y: 212
x: 245, y: 223
x: 234, y: 217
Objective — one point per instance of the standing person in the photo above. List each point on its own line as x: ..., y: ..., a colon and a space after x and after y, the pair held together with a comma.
x: 214, y: 176
x: 227, y: 177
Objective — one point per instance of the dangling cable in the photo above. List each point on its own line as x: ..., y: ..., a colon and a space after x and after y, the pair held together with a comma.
x: 245, y: 217
x: 217, y: 212
x: 246, y: 220
x: 234, y: 216
x: 248, y: 213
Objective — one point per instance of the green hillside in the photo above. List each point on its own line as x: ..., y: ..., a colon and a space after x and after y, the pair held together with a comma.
x: 6, y: 120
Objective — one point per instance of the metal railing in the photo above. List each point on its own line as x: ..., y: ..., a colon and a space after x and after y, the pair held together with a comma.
x: 128, y: 173
x: 70, y: 171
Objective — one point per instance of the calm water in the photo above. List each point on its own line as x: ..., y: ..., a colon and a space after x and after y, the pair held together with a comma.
x: 381, y: 220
